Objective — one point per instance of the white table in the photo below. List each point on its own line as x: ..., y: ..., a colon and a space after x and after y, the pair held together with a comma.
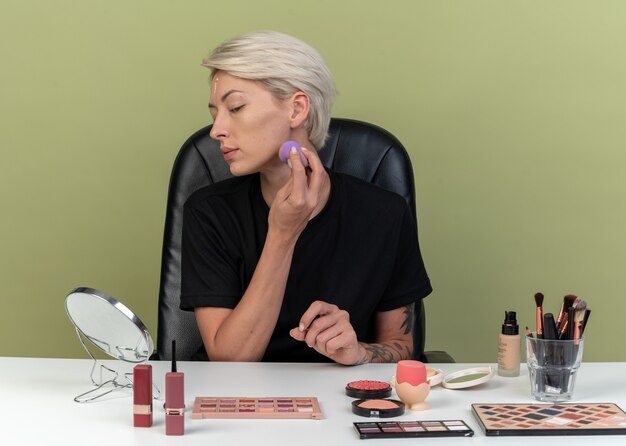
x: 37, y: 404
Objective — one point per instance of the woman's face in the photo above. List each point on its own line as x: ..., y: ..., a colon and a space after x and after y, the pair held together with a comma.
x: 249, y: 122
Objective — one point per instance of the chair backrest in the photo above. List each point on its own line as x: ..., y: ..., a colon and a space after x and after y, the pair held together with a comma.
x: 355, y: 148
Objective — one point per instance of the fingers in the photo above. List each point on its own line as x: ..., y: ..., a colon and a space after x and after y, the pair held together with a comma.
x: 325, y: 328
x: 331, y: 339
x: 317, y: 170
x: 316, y: 310
x: 297, y: 334
x: 298, y: 176
x: 306, y: 180
x: 313, y: 159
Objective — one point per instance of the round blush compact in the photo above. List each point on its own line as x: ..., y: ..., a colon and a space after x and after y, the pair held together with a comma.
x: 367, y: 389
x: 380, y: 408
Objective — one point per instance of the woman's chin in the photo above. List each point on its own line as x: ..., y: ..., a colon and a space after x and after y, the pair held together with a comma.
x: 236, y: 170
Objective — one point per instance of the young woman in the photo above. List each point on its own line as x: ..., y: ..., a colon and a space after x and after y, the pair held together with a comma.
x: 283, y: 262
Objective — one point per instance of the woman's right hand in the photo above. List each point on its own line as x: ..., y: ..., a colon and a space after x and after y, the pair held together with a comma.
x: 301, y: 198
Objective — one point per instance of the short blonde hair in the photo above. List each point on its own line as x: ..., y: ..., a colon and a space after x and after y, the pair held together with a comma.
x: 284, y: 65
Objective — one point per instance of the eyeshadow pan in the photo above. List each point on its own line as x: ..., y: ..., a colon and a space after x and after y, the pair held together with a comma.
x: 549, y: 412
x: 535, y: 416
x: 571, y: 416
x: 414, y: 429
x: 457, y: 428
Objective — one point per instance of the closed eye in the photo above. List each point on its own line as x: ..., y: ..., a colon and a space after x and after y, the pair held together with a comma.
x: 237, y: 109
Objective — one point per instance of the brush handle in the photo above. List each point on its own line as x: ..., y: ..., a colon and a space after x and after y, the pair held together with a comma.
x: 585, y: 319
x: 570, y: 323
x: 539, y: 321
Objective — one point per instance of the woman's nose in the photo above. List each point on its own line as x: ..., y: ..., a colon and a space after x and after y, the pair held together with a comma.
x: 218, y: 130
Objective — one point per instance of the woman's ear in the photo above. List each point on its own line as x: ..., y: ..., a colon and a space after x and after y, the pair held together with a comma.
x: 301, y: 105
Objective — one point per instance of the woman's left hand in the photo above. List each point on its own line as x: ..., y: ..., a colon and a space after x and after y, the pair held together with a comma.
x: 328, y: 330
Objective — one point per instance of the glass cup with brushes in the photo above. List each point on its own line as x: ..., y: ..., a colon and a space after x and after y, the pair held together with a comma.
x: 554, y: 352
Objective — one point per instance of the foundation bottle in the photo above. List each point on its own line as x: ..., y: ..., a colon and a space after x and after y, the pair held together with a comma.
x: 509, y: 346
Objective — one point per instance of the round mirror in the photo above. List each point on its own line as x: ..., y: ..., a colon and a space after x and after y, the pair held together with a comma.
x: 109, y: 325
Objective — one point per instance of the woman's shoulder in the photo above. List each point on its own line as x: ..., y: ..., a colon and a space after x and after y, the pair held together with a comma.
x: 227, y: 189
x: 357, y: 189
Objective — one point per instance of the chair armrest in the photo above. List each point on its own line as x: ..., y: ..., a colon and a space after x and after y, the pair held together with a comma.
x: 438, y: 356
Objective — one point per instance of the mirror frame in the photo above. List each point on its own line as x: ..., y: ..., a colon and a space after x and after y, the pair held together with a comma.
x: 132, y: 317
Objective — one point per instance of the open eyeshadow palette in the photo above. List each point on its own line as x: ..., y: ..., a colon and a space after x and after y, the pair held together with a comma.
x: 413, y: 429
x: 551, y: 419
x: 266, y: 407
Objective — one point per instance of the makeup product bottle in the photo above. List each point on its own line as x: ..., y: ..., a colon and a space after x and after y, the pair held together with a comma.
x: 142, y: 395
x: 174, y: 399
x: 509, y: 346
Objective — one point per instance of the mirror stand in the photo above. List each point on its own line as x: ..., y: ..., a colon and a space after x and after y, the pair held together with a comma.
x: 106, y: 386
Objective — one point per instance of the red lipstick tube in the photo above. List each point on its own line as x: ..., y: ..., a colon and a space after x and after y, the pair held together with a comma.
x: 142, y: 395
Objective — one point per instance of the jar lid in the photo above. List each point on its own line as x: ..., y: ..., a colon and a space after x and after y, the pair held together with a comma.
x: 467, y: 378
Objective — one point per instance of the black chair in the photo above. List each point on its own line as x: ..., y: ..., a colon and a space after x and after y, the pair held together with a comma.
x: 356, y: 148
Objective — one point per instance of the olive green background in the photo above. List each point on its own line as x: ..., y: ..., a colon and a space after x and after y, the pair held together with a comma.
x: 514, y: 113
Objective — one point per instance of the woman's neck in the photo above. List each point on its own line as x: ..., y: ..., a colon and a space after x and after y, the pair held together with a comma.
x: 273, y: 180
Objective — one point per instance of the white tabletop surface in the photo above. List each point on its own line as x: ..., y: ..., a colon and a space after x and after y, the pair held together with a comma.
x: 37, y: 405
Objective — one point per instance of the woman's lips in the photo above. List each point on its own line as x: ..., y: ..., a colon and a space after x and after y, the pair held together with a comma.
x: 229, y: 153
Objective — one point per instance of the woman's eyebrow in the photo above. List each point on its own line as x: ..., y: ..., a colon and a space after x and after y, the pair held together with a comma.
x: 225, y: 96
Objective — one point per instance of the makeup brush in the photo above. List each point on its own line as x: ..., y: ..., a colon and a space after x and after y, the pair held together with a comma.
x: 569, y: 327
x: 585, y: 319
x: 580, y: 307
x: 561, y: 322
x: 539, y: 314
x: 568, y: 301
